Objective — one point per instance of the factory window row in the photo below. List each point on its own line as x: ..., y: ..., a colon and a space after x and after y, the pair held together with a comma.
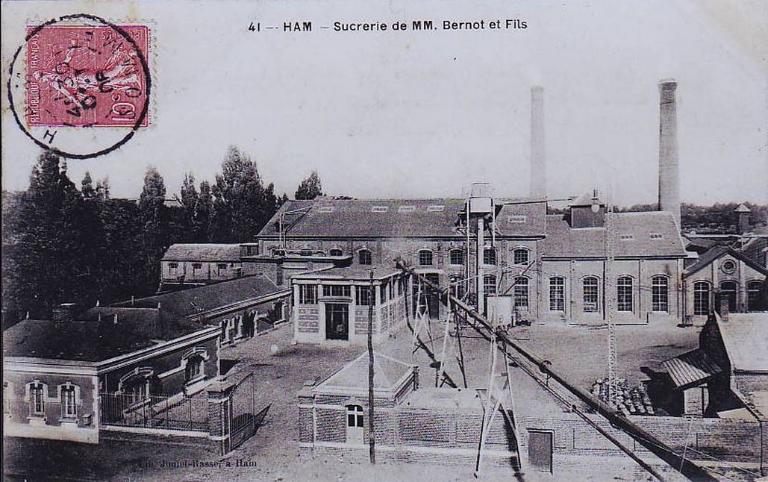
x: 590, y: 292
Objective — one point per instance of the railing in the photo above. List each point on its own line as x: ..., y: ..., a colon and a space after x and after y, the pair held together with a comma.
x: 154, y: 411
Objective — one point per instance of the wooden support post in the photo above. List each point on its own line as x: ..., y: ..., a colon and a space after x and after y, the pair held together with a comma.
x: 371, y: 436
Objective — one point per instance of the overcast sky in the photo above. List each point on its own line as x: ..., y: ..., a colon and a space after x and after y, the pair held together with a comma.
x: 422, y: 114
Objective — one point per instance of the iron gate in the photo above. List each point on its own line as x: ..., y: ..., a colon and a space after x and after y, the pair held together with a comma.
x: 244, y: 421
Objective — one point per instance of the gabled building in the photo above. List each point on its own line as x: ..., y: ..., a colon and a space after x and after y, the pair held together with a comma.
x: 723, y: 274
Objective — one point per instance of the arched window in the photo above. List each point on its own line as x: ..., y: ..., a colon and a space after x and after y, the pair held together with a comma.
x: 425, y: 257
x: 753, y: 295
x: 364, y: 256
x: 354, y: 416
x: 68, y: 395
x: 701, y: 298
x: 520, y: 293
x: 457, y: 256
x: 520, y: 256
x: 489, y: 284
x: 591, y: 294
x: 728, y: 290
x: 489, y: 256
x: 557, y: 293
x: 624, y: 294
x: 336, y: 252
x: 37, y: 393
x: 660, y: 293
x: 195, y: 368
x: 135, y: 385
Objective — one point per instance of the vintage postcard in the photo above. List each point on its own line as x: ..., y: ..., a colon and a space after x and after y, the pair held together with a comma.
x: 388, y: 240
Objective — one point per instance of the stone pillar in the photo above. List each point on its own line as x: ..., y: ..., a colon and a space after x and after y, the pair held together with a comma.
x: 219, y: 415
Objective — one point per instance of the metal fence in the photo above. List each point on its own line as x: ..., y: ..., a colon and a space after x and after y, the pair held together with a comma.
x: 171, y: 413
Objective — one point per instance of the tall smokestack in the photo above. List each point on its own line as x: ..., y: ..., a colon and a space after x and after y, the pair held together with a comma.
x: 538, y: 186
x: 669, y: 175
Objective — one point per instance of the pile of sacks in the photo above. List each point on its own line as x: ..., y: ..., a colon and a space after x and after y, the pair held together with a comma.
x: 629, y: 400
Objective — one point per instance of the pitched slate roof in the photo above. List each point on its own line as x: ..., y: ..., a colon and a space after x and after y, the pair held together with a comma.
x: 745, y: 336
x: 690, y: 368
x: 388, y: 372
x: 189, y: 302
x: 630, y: 236
x: 202, y: 252
x: 716, y: 253
x: 371, y: 218
x: 89, y: 341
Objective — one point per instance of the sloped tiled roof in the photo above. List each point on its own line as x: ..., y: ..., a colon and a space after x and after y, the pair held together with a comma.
x: 370, y: 218
x: 387, y: 373
x: 717, y: 252
x: 89, y: 341
x: 641, y: 234
x: 185, y: 303
x: 690, y: 368
x: 202, y: 252
x: 746, y: 340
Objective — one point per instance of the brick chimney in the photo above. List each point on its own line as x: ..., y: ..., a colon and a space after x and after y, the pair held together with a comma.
x: 669, y: 175
x: 538, y: 187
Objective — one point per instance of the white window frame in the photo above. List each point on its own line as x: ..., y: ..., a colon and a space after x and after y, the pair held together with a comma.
x: 75, y: 391
x: 621, y: 304
x: 557, y: 294
x: 426, y: 252
x: 702, y: 306
x: 32, y: 389
x: 585, y: 295
x: 521, y: 250
x: 659, y: 297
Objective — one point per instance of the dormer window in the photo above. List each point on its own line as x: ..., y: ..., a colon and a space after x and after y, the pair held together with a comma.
x: 325, y: 209
x: 656, y: 236
x: 517, y: 219
x: 406, y: 209
x: 626, y: 237
x: 379, y: 209
x: 436, y: 208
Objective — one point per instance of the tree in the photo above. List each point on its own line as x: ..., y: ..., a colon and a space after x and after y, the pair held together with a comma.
x: 87, y: 186
x: 53, y: 256
x: 241, y: 204
x: 102, y: 189
x: 203, y: 213
x: 310, y: 188
x: 152, y: 213
x: 189, y: 200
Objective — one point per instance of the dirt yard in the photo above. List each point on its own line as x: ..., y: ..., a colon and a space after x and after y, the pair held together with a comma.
x: 273, y: 453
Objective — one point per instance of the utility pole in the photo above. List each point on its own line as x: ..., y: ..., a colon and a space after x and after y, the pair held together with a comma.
x: 371, y: 437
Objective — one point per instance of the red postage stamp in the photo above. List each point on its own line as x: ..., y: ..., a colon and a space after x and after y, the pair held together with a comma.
x: 87, y: 76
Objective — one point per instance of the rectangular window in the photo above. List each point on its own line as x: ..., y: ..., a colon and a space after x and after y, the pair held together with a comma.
x: 437, y: 208
x: 364, y: 296
x: 197, y: 266
x: 68, y: 402
x: 337, y: 291
x: 624, y: 294
x: 660, y: 294
x: 521, y: 293
x: 406, y: 209
x: 325, y: 209
x: 489, y: 284
x: 279, y: 276
x: 457, y: 257
x: 37, y: 399
x: 307, y: 294
x: 591, y: 300
x: 379, y: 209
x: 173, y: 265
x: 520, y: 256
x: 701, y: 298
x: 517, y: 219
x: 557, y: 294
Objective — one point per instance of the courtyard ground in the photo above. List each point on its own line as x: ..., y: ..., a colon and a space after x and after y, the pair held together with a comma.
x: 281, y: 369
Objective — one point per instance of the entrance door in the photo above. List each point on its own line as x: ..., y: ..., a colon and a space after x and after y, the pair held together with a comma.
x: 336, y: 321
x: 430, y: 296
x: 728, y: 292
x: 540, y: 450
